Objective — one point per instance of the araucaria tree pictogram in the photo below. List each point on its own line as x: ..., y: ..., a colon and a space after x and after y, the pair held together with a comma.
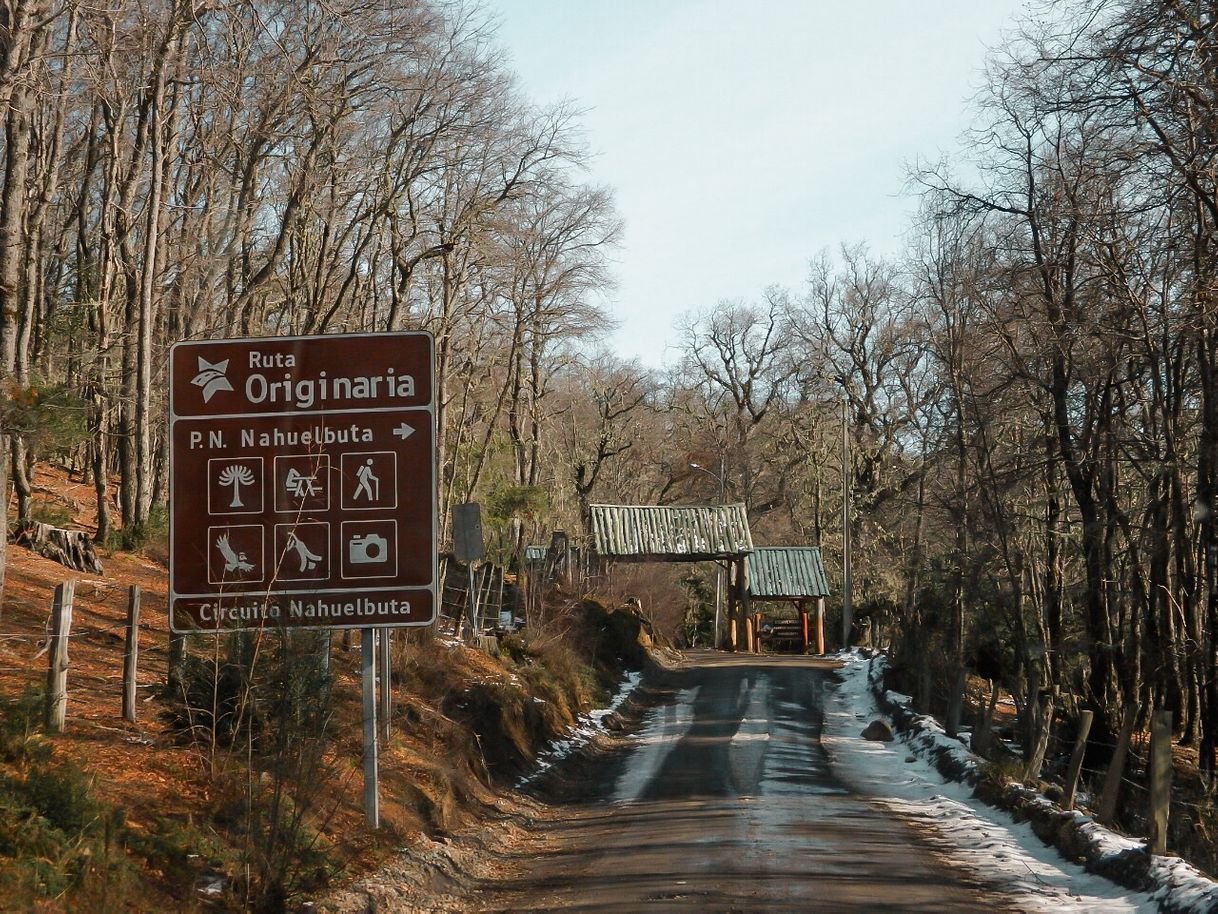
x: 236, y: 476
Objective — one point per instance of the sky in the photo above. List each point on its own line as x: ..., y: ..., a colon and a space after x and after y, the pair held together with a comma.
x: 743, y: 139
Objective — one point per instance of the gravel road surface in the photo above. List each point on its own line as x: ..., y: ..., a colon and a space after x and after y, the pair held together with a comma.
x: 724, y: 801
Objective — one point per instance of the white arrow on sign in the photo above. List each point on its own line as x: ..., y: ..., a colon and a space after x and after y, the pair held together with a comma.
x: 403, y: 431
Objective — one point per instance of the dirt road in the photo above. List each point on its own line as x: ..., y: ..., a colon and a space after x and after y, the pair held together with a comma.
x: 724, y: 801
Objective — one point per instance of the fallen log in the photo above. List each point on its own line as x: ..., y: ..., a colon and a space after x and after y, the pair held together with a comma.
x: 72, y: 548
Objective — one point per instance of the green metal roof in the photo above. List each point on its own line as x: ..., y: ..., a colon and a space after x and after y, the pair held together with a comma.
x: 671, y: 533
x: 786, y: 573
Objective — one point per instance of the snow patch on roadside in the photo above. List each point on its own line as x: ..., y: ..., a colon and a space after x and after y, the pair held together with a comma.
x: 586, y: 727
x: 973, y: 835
x: 1176, y: 886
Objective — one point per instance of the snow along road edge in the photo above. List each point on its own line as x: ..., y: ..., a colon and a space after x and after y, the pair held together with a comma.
x: 1169, y: 884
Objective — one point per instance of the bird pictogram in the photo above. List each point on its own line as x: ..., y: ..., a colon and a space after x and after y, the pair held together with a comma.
x: 233, y: 561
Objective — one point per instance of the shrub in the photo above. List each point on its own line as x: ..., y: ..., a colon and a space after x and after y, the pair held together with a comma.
x: 53, y: 513
x: 268, y: 699
x: 20, y: 719
x: 63, y: 795
x: 151, y: 533
x: 58, y: 841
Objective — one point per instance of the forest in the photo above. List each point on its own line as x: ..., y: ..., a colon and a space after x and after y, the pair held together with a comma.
x: 1029, y: 391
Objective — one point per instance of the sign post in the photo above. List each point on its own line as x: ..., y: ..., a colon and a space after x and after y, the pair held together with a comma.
x: 372, y: 799
x: 303, y: 484
x: 303, y: 491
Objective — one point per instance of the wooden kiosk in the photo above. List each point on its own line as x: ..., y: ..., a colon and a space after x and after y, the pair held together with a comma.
x: 791, y: 574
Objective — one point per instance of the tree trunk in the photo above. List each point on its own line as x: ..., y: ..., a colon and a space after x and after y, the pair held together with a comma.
x: 16, y: 99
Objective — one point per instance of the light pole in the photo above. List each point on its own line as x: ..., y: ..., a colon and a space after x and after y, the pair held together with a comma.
x: 847, y: 570
x: 718, y: 566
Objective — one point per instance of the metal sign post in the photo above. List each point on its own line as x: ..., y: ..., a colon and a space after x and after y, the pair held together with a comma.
x: 384, y: 662
x: 372, y: 800
x: 303, y: 493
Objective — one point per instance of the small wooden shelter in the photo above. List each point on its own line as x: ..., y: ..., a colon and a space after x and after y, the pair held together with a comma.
x: 683, y: 533
x: 791, y: 574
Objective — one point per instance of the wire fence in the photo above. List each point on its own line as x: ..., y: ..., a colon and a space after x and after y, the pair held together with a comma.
x: 1191, y: 810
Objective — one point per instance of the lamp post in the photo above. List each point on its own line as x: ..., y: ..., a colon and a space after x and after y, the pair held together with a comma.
x: 718, y: 566
x: 847, y: 570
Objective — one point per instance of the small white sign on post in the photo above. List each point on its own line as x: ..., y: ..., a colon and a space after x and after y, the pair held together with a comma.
x: 468, y: 548
x: 467, y: 533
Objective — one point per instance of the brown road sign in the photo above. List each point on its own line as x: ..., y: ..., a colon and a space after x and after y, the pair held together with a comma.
x: 303, y: 483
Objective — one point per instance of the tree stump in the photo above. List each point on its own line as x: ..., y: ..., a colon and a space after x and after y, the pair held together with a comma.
x: 72, y: 548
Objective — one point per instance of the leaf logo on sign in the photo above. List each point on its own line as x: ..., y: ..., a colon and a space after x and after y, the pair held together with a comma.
x: 212, y: 378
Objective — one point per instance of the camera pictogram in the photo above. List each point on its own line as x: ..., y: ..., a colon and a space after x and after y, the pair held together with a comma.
x: 369, y: 548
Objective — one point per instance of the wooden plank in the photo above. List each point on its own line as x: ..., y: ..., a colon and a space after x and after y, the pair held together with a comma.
x: 1160, y: 781
x: 57, y: 672
x: 131, y: 652
x: 1074, y: 772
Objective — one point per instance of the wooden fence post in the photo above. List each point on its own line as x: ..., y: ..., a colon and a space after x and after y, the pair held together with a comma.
x: 733, y: 634
x: 1116, y: 768
x: 57, y: 672
x: 983, y: 734
x: 1160, y: 781
x: 1074, y: 772
x: 131, y: 655
x: 745, y: 604
x: 1040, y: 744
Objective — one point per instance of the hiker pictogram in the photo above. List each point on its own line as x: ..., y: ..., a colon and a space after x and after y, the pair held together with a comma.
x: 369, y: 480
x: 369, y: 483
